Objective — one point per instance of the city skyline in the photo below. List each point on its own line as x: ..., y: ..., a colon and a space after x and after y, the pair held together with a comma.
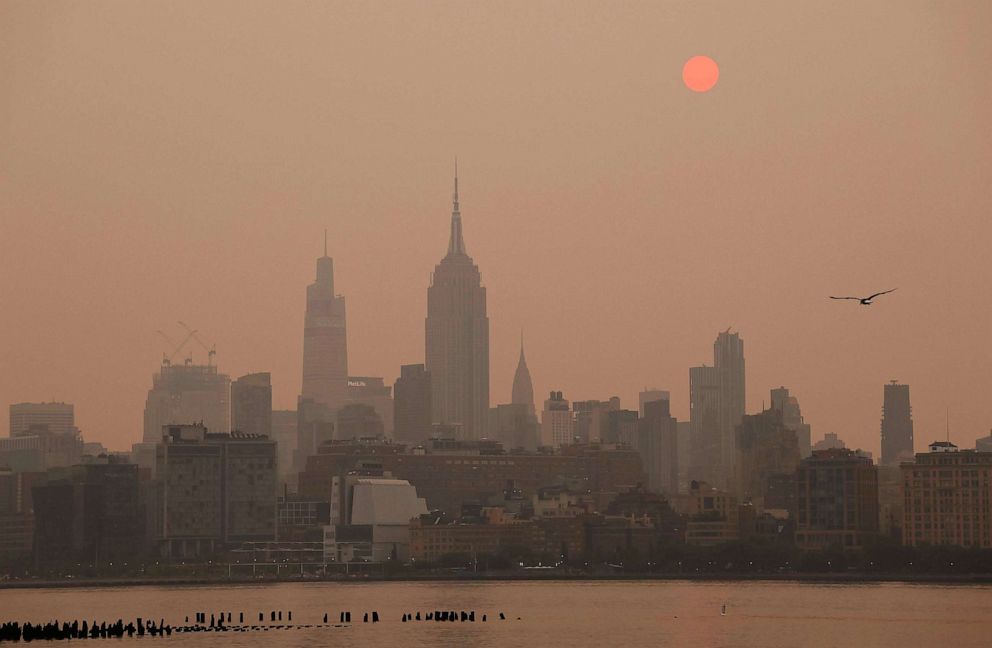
x: 598, y: 186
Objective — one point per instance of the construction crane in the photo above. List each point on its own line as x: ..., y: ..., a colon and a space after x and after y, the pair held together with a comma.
x: 167, y: 357
x: 211, y: 350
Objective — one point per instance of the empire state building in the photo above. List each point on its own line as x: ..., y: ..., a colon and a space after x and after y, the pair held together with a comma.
x: 457, y: 336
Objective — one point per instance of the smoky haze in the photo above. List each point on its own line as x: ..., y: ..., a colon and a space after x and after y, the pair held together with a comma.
x: 180, y: 161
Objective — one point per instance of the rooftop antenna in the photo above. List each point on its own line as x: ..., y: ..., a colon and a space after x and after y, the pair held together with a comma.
x: 325, y: 241
x: 947, y: 424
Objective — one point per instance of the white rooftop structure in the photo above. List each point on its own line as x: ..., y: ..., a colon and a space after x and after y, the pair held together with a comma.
x: 385, y: 502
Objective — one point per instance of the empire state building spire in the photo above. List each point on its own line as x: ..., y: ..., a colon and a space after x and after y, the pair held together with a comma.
x: 456, y: 243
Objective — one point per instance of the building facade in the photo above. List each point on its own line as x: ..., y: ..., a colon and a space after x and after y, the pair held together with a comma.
x: 216, y: 490
x: 948, y: 497
x: 449, y: 473
x: 251, y: 404
x: 556, y: 422
x: 837, y: 500
x: 412, y: 417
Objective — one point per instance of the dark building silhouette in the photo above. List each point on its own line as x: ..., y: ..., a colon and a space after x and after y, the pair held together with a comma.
x: 412, y: 404
x: 704, y: 424
x: 457, y: 337
x: 592, y: 418
x: 897, y: 425
x: 792, y: 416
x: 514, y: 425
x: 621, y: 427
x: 88, y: 513
x: 17, y: 513
x: 359, y: 421
x: 767, y: 454
x: 657, y: 443
x: 373, y: 390
x: 314, y: 425
x: 837, y: 500
x: 251, y: 404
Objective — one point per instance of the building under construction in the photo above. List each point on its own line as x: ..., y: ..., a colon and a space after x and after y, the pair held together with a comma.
x: 187, y: 393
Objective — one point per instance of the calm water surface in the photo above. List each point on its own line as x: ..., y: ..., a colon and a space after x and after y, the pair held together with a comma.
x: 569, y: 613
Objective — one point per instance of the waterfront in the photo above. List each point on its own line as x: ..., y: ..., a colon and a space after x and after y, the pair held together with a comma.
x: 572, y: 613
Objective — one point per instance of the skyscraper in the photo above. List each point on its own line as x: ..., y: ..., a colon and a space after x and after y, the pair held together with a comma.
x: 897, y: 424
x: 412, y: 404
x: 767, y: 450
x: 704, y: 429
x: 251, y: 404
x: 728, y: 358
x: 185, y: 394
x: 325, y: 345
x: 523, y: 388
x: 657, y: 443
x: 716, y: 407
x: 457, y: 337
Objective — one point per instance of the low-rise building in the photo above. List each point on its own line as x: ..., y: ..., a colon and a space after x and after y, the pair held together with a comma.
x: 713, y: 515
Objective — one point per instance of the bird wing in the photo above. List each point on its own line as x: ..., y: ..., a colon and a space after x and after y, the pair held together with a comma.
x: 884, y: 292
x: 832, y: 297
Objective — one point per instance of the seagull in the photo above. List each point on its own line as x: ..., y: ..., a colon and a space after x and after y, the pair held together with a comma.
x: 866, y: 301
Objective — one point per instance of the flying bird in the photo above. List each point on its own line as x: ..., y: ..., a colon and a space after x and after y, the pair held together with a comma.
x: 866, y: 301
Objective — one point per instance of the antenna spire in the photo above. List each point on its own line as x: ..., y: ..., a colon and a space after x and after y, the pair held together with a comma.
x: 325, y: 241
x: 456, y: 244
x: 455, y: 197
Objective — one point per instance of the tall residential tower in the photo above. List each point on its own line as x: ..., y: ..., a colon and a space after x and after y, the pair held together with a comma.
x: 897, y: 425
x: 457, y: 337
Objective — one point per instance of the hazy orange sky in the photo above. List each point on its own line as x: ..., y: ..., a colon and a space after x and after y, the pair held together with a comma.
x: 164, y: 161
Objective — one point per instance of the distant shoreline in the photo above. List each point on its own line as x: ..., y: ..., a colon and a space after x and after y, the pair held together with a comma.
x: 840, y: 578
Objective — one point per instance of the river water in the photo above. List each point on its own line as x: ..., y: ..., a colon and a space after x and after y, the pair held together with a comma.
x: 562, y: 613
